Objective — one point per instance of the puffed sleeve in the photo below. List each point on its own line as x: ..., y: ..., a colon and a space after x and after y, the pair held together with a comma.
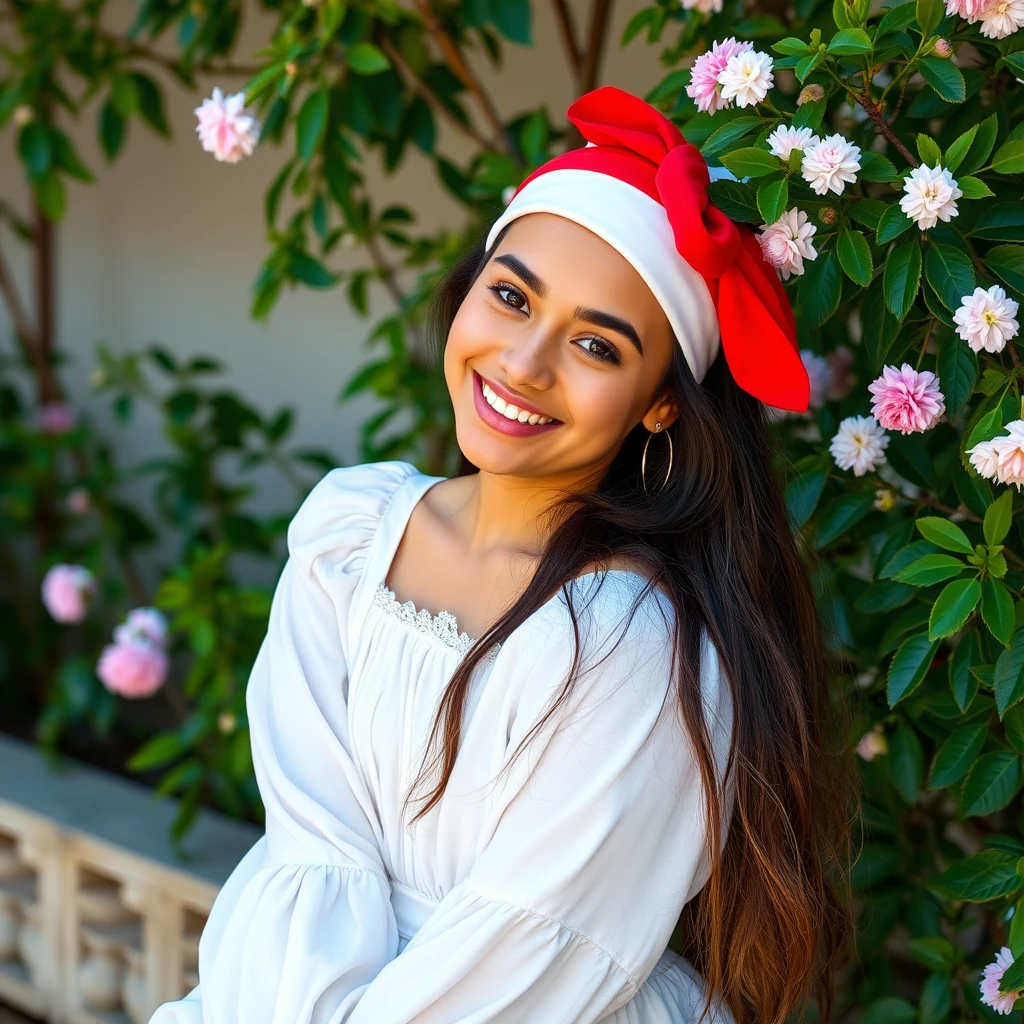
x: 597, y: 840
x: 304, y: 922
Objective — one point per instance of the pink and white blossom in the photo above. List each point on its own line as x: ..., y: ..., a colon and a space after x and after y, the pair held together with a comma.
x: 704, y: 6
x: 132, y: 668
x: 969, y: 10
x: 830, y: 164
x: 859, y: 444
x: 224, y: 129
x: 146, y: 625
x: 906, y: 399
x: 872, y: 743
x: 784, y: 140
x: 1002, y: 458
x: 787, y: 243
x: 55, y: 418
x: 986, y: 319
x: 747, y: 77
x: 67, y: 591
x: 930, y: 196
x: 1001, y: 1002
x: 985, y: 459
x: 704, y: 87
x: 1002, y: 18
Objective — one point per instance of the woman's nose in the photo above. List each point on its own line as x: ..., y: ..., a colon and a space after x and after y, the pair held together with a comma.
x: 529, y: 360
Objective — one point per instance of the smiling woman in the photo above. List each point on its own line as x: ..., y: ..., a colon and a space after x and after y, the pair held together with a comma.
x: 520, y: 730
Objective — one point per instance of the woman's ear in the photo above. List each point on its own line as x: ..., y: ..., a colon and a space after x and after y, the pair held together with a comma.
x: 663, y: 411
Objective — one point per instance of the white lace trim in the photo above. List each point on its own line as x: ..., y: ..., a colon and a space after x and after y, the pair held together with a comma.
x: 443, y: 626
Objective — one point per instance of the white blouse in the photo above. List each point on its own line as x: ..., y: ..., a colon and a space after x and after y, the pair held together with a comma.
x: 544, y: 894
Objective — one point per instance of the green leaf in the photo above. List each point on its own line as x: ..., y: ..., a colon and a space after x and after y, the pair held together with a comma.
x: 802, y: 495
x: 961, y: 681
x: 1003, y: 222
x: 34, y: 149
x: 923, y: 572
x: 1007, y: 262
x: 736, y: 200
x: 906, y: 762
x: 51, y: 196
x: 791, y: 47
x: 985, y: 876
x: 157, y: 752
x: 855, y: 257
x: 772, y: 200
x: 909, y: 665
x: 952, y: 607
x: 928, y: 150
x: 959, y: 148
x: 875, y: 167
x: 902, y: 278
x: 807, y: 64
x: 892, y: 224
x: 1009, y: 157
x: 933, y: 951
x: 364, y: 59
x: 973, y: 188
x: 849, y: 42
x: 1013, y: 977
x: 512, y: 19
x: 982, y: 145
x: 991, y: 784
x: 819, y: 289
x: 944, y: 533
x: 999, y: 518
x: 957, y: 369
x: 949, y: 272
x: 904, y: 556
x: 944, y: 77
x: 1008, y: 681
x: 311, y: 124
x: 730, y: 132
x: 111, y: 130
x: 842, y: 513
x: 936, y: 998
x: 929, y: 14
x: 896, y: 18
x: 997, y: 609
x: 957, y: 754
x: 750, y: 162
x: 305, y: 268
x: 890, y: 1009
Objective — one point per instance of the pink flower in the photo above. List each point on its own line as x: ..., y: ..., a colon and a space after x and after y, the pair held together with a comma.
x: 1001, y: 1002
x: 224, y: 129
x: 872, y: 743
x: 907, y: 400
x: 969, y: 10
x: 1009, y: 452
x: 985, y: 459
x: 830, y: 164
x: 67, y: 591
x: 787, y: 243
x: 144, y: 625
x: 55, y: 418
x: 704, y: 86
x: 132, y: 668
x: 78, y: 501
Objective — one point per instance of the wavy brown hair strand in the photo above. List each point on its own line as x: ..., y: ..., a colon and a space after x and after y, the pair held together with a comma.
x: 767, y: 928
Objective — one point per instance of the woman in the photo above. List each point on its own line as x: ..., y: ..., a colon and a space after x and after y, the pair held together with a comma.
x: 515, y: 728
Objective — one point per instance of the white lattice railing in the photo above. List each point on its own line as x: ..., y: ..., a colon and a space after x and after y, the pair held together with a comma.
x: 99, y: 923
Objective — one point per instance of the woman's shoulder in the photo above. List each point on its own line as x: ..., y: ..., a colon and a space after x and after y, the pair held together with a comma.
x: 343, y: 510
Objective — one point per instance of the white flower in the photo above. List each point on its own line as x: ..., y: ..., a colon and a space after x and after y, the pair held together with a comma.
x: 704, y: 6
x: 1002, y: 19
x: 930, y: 196
x: 985, y: 459
x: 787, y: 243
x: 859, y: 444
x: 747, y: 77
x: 985, y: 320
x: 224, y: 129
x: 830, y: 163
x: 784, y: 140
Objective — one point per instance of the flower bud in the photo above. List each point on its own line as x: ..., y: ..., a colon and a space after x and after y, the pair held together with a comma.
x: 226, y: 722
x: 810, y: 93
x: 23, y: 114
x: 291, y: 68
x: 827, y: 215
x: 885, y: 499
x: 943, y: 48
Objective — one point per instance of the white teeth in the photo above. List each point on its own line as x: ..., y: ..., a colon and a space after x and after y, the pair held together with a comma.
x: 510, y: 411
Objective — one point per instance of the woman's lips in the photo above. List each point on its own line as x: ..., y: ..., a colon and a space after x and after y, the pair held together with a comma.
x: 501, y: 423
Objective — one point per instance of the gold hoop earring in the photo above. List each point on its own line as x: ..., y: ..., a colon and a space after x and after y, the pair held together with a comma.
x: 643, y: 460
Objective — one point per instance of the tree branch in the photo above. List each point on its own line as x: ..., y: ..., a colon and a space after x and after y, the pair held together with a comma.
x: 465, y: 75
x: 567, y: 28
x: 599, y: 18
x: 875, y: 113
x: 428, y: 94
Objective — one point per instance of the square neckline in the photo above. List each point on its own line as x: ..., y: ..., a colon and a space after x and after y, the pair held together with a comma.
x: 442, y: 626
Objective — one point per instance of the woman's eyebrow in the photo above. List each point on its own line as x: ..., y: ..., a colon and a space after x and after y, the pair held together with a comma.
x: 593, y: 316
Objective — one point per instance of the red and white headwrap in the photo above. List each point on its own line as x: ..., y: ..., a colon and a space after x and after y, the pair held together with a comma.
x: 640, y: 186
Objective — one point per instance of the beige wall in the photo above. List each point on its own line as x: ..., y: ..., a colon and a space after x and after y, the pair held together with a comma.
x: 165, y: 246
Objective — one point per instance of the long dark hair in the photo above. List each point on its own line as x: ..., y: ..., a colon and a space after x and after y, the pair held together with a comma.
x: 766, y: 929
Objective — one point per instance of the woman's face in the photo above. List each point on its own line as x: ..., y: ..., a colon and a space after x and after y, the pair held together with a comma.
x: 560, y: 324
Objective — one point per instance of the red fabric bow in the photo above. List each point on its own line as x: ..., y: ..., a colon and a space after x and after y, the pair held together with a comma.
x: 638, y: 144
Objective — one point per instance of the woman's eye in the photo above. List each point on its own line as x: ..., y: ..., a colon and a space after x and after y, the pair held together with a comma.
x: 601, y: 350
x: 500, y: 287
